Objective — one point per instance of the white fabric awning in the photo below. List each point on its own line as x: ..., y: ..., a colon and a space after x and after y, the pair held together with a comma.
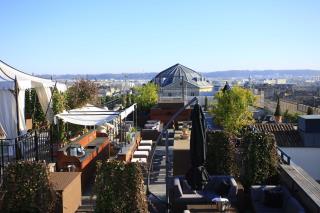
x: 90, y: 115
x: 25, y: 81
x: 127, y: 111
x: 10, y: 73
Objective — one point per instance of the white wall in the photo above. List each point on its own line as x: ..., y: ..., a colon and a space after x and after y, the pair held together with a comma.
x: 307, y: 158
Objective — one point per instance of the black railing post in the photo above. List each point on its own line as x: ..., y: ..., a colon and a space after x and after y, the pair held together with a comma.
x: 36, y: 147
x: 50, y: 138
x: 2, y: 159
x: 16, y: 148
x: 167, y: 169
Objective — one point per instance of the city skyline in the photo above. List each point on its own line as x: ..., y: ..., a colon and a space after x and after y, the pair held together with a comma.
x: 109, y: 37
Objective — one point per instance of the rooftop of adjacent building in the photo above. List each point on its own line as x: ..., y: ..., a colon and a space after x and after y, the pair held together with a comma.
x: 178, y: 71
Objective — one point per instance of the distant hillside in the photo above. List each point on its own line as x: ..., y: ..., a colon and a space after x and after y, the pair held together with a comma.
x: 262, y: 73
x: 216, y: 74
x: 122, y: 76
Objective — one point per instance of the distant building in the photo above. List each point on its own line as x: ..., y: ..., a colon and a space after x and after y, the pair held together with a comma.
x: 179, y: 84
x: 275, y: 81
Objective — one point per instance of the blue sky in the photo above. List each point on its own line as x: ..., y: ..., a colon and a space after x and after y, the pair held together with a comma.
x: 58, y: 37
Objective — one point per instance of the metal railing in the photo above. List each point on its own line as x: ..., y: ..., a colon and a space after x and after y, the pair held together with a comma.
x: 286, y: 159
x: 163, y: 133
x: 33, y: 146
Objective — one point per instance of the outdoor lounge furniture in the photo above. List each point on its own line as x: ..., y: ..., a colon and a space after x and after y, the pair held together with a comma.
x: 272, y: 199
x: 139, y: 154
x: 183, y: 195
x: 140, y: 160
x: 144, y: 148
x: 146, y: 143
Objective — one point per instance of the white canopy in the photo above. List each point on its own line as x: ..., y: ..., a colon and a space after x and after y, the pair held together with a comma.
x: 24, y: 81
x: 127, y: 111
x: 90, y: 115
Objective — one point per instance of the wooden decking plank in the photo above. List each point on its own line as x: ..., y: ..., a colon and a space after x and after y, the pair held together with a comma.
x: 304, y: 181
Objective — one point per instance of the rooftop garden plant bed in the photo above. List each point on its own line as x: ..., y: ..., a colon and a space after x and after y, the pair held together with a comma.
x: 119, y: 187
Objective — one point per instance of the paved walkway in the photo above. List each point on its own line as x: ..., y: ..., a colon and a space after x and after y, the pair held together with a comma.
x: 158, y: 175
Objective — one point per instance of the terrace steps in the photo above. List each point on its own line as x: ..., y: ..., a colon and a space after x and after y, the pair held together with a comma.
x: 87, y: 204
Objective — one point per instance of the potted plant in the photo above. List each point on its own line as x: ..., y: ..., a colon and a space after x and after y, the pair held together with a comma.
x: 185, y: 133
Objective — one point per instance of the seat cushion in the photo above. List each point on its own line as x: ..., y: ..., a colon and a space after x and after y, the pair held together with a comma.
x: 293, y: 206
x: 223, y: 188
x: 273, y: 197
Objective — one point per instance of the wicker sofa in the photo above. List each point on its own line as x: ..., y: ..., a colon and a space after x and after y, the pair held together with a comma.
x: 288, y: 203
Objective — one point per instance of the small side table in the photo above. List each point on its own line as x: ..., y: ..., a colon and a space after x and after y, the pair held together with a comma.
x: 222, y: 204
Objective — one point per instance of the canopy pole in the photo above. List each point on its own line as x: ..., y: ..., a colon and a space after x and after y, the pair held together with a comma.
x: 17, y: 103
x: 55, y: 85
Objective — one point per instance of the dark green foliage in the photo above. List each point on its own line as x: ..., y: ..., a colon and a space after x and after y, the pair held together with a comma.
x: 119, y: 188
x: 128, y: 100
x: 278, y: 109
x: 27, y: 188
x: 260, y: 158
x: 206, y: 103
x: 310, y: 111
x: 289, y: 117
x: 123, y: 101
x: 220, y: 154
x: 28, y: 108
x: 33, y: 108
x: 58, y: 102
x: 58, y: 105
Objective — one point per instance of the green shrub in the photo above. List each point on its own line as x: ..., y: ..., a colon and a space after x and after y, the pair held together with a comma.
x: 260, y: 158
x: 119, y: 188
x: 220, y: 154
x: 27, y: 188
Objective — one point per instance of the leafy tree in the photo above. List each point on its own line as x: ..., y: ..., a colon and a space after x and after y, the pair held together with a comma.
x: 27, y: 188
x: 123, y: 100
x: 206, y: 103
x: 278, y: 109
x: 128, y: 100
x: 81, y: 93
x: 59, y: 103
x: 290, y: 118
x: 310, y: 111
x: 33, y: 107
x: 28, y: 108
x: 231, y: 109
x: 146, y: 96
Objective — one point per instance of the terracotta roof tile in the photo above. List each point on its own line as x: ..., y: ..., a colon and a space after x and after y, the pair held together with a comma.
x: 286, y: 134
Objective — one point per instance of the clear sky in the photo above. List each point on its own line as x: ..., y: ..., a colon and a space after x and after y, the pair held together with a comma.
x: 58, y: 37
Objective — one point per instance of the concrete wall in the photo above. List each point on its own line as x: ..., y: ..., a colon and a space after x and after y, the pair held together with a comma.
x: 307, y: 158
x: 310, y: 139
x: 292, y: 107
